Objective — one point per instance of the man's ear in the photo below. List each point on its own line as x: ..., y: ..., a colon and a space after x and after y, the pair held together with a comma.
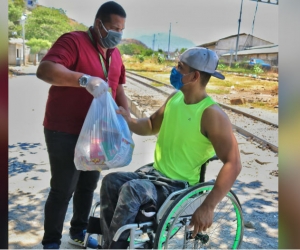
x: 196, y: 75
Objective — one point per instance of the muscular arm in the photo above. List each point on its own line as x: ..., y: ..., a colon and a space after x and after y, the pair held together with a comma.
x: 217, y: 127
x: 57, y: 74
x: 145, y: 126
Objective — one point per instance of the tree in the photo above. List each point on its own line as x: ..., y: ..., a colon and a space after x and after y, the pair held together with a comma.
x: 134, y: 49
x: 182, y: 50
x: 47, y: 24
x: 36, y: 45
x: 15, y: 11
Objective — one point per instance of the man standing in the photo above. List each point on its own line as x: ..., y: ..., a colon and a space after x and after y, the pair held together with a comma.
x: 77, y: 66
x: 192, y: 128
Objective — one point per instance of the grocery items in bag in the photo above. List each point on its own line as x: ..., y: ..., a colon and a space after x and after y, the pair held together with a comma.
x: 105, y: 140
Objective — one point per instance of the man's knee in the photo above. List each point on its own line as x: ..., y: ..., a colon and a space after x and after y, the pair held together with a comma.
x: 141, y: 191
x: 111, y: 183
x: 109, y: 178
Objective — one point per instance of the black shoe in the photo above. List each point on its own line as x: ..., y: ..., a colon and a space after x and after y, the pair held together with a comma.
x: 120, y: 244
x: 51, y: 246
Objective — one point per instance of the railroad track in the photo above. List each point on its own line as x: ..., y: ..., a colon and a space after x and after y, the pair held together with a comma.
x: 239, y: 119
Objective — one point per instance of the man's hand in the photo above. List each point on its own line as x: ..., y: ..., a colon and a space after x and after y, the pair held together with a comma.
x: 124, y: 113
x: 96, y: 86
x: 202, y: 219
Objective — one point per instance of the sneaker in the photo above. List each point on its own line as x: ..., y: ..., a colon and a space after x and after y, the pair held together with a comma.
x: 51, y: 246
x: 78, y: 240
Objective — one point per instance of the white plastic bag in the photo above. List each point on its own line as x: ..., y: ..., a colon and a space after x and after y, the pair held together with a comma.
x: 105, y: 140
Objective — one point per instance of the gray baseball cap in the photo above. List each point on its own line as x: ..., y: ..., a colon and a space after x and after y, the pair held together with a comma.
x: 202, y: 59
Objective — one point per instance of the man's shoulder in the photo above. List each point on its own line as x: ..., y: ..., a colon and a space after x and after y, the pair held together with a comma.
x: 214, y: 109
x: 74, y: 35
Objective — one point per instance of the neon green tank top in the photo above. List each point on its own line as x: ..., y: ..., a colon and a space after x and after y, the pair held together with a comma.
x: 181, y: 149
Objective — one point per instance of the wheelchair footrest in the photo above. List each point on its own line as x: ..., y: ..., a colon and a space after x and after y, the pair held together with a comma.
x: 94, y: 225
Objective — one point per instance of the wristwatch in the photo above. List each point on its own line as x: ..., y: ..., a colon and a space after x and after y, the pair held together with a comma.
x: 83, y: 80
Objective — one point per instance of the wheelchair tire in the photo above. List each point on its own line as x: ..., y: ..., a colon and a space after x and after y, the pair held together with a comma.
x: 226, y: 232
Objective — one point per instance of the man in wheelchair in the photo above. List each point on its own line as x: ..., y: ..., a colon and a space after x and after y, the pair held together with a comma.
x: 192, y: 128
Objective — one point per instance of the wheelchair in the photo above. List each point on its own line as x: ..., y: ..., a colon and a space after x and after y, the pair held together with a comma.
x: 169, y: 229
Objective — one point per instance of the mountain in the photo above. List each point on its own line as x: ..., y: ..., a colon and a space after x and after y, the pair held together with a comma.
x: 162, y: 40
x: 134, y: 41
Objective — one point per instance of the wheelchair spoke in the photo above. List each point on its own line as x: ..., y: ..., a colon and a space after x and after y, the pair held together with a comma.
x: 226, y: 231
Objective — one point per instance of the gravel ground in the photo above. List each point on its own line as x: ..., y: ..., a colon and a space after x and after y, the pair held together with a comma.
x: 256, y: 186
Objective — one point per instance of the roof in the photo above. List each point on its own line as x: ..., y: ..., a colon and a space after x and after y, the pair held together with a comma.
x: 214, y: 42
x: 208, y: 44
x: 263, y: 49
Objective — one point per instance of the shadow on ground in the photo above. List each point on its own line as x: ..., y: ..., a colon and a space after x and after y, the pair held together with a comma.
x: 255, y: 210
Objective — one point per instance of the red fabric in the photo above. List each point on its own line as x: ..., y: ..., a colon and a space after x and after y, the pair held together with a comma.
x: 67, y: 106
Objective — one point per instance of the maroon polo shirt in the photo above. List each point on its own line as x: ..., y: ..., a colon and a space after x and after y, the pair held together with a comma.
x: 67, y: 107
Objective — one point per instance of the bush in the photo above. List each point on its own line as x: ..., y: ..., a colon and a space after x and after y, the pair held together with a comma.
x: 134, y: 49
x: 141, y: 58
x: 221, y: 66
x: 257, y: 69
x: 236, y: 65
x: 160, y: 58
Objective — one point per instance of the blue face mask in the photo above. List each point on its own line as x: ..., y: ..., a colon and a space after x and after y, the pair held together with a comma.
x: 112, y: 39
x: 176, y: 78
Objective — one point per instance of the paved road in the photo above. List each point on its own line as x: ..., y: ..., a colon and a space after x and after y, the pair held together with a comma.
x: 29, y: 174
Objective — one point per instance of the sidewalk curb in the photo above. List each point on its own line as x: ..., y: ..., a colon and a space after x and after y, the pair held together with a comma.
x: 136, y: 109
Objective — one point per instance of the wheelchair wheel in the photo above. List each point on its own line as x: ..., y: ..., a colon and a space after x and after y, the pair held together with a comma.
x: 226, y: 232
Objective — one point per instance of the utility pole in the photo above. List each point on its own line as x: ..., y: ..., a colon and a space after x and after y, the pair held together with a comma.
x: 153, y: 42
x: 237, y: 39
x: 254, y: 18
x: 23, y: 18
x: 169, y: 41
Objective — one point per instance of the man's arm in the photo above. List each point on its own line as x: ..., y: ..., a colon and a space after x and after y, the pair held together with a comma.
x: 145, y: 126
x: 217, y: 127
x: 121, y: 98
x: 57, y: 74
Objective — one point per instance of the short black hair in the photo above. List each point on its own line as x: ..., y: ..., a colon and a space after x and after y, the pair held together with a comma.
x: 109, y: 8
x: 204, y: 76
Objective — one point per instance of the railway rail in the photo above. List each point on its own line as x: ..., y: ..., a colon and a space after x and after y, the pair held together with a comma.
x: 264, y: 132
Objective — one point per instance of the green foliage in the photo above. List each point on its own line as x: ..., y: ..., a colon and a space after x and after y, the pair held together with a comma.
x: 19, y: 3
x: 182, y: 50
x: 147, y: 52
x: 141, y: 58
x: 222, y: 66
x: 47, y: 24
x: 257, y: 69
x: 160, y: 58
x: 134, y: 49
x: 36, y: 45
x: 14, y: 12
x: 160, y: 51
x: 236, y: 65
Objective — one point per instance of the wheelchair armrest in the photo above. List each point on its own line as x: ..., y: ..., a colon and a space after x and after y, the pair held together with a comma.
x: 215, y: 157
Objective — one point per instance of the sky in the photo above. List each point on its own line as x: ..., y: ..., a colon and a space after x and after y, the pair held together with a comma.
x: 200, y: 21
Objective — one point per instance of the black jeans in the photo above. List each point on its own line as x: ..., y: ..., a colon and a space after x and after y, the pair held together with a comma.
x: 122, y: 194
x: 66, y: 180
